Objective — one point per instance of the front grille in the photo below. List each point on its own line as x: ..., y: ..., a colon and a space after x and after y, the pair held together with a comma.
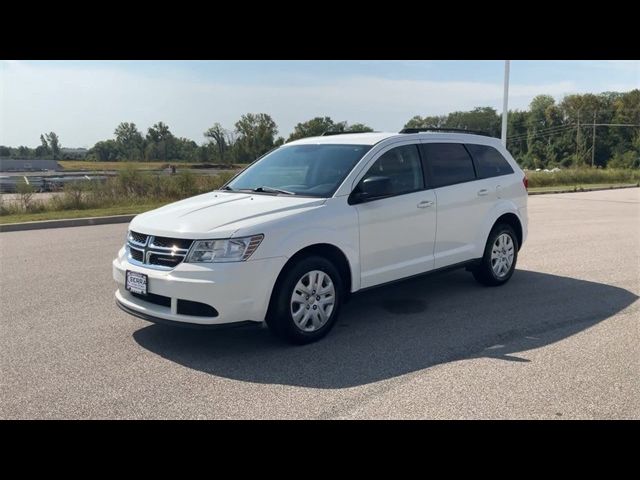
x: 136, y: 254
x: 153, y: 298
x: 138, y: 237
x: 165, y: 242
x: 165, y: 260
x: 161, y: 253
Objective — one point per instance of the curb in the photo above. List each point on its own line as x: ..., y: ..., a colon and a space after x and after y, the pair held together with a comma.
x: 584, y: 190
x: 71, y: 222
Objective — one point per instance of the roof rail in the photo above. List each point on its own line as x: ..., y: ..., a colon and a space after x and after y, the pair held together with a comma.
x: 329, y: 133
x: 454, y: 130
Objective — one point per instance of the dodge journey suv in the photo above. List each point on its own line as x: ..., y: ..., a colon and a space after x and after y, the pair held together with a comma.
x: 288, y: 239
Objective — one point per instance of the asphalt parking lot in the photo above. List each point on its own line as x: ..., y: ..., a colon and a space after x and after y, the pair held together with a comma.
x: 561, y: 340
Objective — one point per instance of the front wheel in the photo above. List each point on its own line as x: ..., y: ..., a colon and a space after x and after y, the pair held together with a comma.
x: 500, y: 256
x: 306, y: 301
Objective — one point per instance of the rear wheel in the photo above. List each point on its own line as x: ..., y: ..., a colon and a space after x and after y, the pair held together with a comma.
x: 500, y: 256
x: 306, y: 302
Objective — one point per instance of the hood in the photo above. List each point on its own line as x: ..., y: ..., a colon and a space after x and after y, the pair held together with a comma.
x: 221, y: 213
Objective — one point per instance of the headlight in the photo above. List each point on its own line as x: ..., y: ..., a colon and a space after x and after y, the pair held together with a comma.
x: 228, y: 250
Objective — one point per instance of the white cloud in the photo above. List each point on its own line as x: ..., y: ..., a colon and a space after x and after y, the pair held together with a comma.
x: 84, y: 105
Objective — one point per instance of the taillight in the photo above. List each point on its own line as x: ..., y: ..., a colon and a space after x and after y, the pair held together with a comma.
x: 525, y: 182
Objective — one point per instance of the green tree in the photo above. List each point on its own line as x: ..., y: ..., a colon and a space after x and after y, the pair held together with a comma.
x: 312, y: 128
x: 256, y: 136
x: 105, y: 151
x: 219, y: 136
x: 129, y: 141
x: 437, y: 121
x: 24, y: 152
x: 54, y: 144
x: 5, y: 151
x: 186, y: 150
x: 161, y: 144
x: 485, y: 119
x: 358, y: 127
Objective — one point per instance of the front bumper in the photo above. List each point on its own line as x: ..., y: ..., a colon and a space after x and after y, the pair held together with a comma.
x: 238, y: 291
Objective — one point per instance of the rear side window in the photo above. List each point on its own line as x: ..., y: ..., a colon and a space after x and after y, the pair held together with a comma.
x: 447, y: 164
x: 489, y: 161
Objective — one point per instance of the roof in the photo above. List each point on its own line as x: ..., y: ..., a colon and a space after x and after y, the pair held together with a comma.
x: 371, y: 138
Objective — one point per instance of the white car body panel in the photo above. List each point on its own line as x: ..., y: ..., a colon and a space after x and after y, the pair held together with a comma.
x: 383, y: 240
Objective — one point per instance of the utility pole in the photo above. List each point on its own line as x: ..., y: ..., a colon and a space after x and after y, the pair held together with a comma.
x: 505, y: 102
x: 593, y: 143
x: 578, y: 137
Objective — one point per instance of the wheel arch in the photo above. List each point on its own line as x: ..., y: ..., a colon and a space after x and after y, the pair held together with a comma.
x: 327, y: 250
x: 512, y: 220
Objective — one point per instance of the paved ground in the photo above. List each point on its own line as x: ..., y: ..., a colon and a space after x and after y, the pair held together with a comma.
x: 561, y: 340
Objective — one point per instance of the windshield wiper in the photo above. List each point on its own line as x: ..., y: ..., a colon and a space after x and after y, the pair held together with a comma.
x: 272, y: 190
x: 228, y: 188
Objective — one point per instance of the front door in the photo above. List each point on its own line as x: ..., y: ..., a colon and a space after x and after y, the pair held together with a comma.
x: 397, y: 230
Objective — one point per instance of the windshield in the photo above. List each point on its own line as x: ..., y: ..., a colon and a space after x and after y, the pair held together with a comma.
x: 313, y: 170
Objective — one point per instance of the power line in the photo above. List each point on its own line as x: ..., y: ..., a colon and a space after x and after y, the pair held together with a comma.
x: 545, y: 130
x: 545, y: 135
x: 537, y: 133
x: 564, y: 128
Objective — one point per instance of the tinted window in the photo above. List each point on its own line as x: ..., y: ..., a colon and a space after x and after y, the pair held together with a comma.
x: 315, y: 170
x: 447, y: 164
x: 402, y: 166
x: 489, y: 161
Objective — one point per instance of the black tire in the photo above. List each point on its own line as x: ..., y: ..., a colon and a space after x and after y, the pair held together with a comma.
x: 280, y: 318
x: 484, y: 273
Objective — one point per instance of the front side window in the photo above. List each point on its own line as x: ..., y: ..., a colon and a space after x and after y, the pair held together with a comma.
x: 309, y: 170
x: 447, y: 164
x: 401, y: 165
x: 489, y: 161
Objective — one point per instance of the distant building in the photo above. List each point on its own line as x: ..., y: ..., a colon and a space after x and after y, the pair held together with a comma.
x: 28, y: 165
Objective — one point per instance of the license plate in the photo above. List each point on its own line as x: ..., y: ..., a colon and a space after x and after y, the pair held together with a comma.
x: 137, y: 282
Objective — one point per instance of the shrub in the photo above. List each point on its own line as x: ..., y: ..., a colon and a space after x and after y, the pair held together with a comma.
x: 582, y: 176
x: 25, y: 192
x: 625, y: 160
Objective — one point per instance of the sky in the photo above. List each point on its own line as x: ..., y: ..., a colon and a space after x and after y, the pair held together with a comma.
x: 84, y: 101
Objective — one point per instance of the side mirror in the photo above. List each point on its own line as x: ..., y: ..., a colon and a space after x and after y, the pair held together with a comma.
x: 371, y: 188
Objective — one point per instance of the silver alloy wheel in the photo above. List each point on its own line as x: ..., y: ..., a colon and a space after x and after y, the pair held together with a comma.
x: 312, y: 301
x: 502, y: 253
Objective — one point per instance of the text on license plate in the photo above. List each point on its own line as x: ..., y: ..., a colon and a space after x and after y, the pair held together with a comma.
x: 136, y: 282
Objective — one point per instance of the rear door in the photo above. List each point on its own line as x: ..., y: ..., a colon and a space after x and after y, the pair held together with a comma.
x: 463, y: 200
x: 494, y: 170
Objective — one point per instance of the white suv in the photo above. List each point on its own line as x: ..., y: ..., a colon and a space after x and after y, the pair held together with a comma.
x: 288, y: 239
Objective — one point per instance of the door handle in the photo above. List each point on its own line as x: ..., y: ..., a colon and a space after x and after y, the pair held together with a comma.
x: 425, y: 203
x: 483, y: 192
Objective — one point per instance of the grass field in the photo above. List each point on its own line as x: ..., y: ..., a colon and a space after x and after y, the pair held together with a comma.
x: 90, y: 212
x: 583, y: 176
x: 100, y: 166
x: 134, y: 190
x: 76, y: 165
x: 580, y: 188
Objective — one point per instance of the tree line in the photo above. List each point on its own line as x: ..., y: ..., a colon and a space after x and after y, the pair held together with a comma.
x: 588, y: 129
x: 546, y: 135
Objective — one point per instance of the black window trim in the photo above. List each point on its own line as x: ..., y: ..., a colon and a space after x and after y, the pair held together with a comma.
x: 473, y: 164
x: 476, y: 166
x: 350, y: 199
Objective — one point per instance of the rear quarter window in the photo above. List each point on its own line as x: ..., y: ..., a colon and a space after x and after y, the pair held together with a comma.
x: 489, y: 161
